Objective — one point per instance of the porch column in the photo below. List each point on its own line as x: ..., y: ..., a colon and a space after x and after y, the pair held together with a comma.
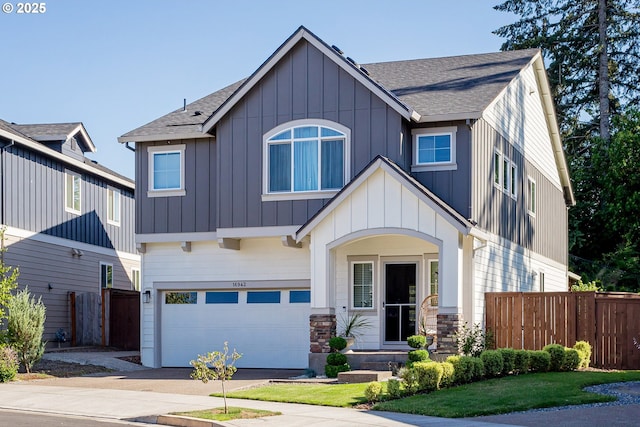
x: 450, y: 291
x: 322, y: 327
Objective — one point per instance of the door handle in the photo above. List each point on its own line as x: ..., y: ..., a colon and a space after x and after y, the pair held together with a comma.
x: 383, y: 304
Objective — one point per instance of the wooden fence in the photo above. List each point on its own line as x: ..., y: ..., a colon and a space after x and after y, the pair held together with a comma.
x: 530, y: 320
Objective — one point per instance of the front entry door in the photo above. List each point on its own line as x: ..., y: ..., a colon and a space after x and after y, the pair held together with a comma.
x: 399, y: 302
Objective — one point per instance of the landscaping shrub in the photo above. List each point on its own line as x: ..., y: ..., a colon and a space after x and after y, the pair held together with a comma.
x: 447, y: 374
x: 409, y: 379
x: 571, y: 359
x: 8, y: 363
x: 539, y: 361
x: 521, y: 362
x: 332, y: 371
x: 477, y: 369
x: 417, y: 341
x: 337, y: 344
x: 373, y: 391
x: 493, y: 363
x: 418, y: 356
x: 25, y: 326
x: 336, y: 359
x: 508, y: 355
x: 429, y: 375
x: 471, y: 341
x: 556, y: 351
x: 394, y: 389
x: 584, y: 351
x: 463, y: 370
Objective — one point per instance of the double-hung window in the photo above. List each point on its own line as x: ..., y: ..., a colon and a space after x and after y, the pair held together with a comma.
x: 362, y: 285
x: 73, y: 193
x: 434, y: 149
x: 166, y: 171
x: 505, y: 174
x: 531, y: 196
x: 113, y: 206
x: 310, y: 160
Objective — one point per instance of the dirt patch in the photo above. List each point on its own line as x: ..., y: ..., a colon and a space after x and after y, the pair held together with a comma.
x: 59, y: 369
x: 131, y: 359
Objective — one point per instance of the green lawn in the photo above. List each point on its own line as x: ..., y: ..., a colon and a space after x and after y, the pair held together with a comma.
x: 233, y: 413
x: 497, y: 396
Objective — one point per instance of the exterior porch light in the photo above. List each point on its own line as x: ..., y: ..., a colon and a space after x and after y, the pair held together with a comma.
x: 146, y: 296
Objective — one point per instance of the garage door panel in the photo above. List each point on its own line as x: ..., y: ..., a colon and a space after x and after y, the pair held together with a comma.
x: 268, y: 335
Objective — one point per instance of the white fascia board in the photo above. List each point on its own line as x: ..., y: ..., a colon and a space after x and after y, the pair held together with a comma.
x: 396, y: 104
x: 65, y: 159
x: 176, y: 237
x: 552, y: 125
x: 80, y: 129
x: 256, y: 232
x: 163, y: 137
x: 473, y: 115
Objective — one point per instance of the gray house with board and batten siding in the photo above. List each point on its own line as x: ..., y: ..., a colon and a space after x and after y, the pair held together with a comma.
x: 273, y: 210
x: 69, y: 226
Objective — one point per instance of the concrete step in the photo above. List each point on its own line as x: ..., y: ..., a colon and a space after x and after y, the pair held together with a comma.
x: 363, y: 376
x: 380, y: 366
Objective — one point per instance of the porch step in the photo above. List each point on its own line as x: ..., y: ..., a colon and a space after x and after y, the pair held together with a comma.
x: 363, y: 376
x: 380, y: 366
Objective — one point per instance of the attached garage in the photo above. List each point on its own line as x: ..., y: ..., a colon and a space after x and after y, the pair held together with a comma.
x: 269, y: 327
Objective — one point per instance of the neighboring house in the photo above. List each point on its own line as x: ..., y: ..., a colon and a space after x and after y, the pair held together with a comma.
x: 316, y: 188
x: 69, y: 221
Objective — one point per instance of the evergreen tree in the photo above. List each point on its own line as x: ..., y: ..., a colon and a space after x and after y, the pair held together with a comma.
x: 25, y: 326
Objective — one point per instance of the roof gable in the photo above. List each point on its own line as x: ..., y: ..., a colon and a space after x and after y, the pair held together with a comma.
x: 58, y: 132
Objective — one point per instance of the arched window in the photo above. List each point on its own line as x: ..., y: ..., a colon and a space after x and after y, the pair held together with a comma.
x: 306, y: 158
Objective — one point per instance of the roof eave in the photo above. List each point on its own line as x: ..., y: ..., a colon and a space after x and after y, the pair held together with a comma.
x: 303, y: 33
x: 472, y: 115
x: 163, y: 137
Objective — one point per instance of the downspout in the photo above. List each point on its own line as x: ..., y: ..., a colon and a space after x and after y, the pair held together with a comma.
x: 127, y: 146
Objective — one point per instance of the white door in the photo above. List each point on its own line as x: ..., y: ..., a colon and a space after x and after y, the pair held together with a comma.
x: 270, y: 328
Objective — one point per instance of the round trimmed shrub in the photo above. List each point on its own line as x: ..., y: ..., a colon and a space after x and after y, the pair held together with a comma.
x: 409, y: 378
x: 417, y: 341
x: 477, y: 371
x: 539, y: 361
x: 373, y: 391
x: 584, y: 351
x: 336, y: 359
x: 418, y: 356
x: 493, y: 363
x: 463, y: 370
x: 447, y: 374
x: 521, y: 362
x: 337, y: 343
x: 508, y: 355
x: 556, y: 351
x: 8, y: 363
x: 429, y: 375
x: 394, y: 389
x: 332, y: 371
x: 571, y: 359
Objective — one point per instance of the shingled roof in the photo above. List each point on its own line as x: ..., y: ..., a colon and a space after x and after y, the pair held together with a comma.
x: 46, y: 132
x: 449, y: 88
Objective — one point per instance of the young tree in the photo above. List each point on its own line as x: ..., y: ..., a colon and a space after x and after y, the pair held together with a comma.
x: 216, y: 366
x: 25, y: 326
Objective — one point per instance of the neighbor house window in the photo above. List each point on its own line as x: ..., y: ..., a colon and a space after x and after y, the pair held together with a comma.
x: 73, y: 185
x: 531, y: 196
x: 106, y: 275
x: 135, y: 279
x: 505, y: 174
x: 113, y: 206
x: 434, y: 149
x: 166, y: 171
x: 362, y: 284
x: 306, y: 159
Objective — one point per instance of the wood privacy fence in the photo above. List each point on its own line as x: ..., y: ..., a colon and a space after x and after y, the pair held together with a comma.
x: 531, y: 320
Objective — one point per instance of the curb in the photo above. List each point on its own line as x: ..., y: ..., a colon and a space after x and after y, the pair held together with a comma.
x: 181, y: 421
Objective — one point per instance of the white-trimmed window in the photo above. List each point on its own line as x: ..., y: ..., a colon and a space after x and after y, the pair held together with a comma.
x: 166, y: 171
x: 305, y: 159
x: 106, y: 275
x: 434, y: 149
x: 113, y: 206
x: 362, y: 285
x: 505, y: 174
x: 531, y: 196
x: 135, y: 279
x: 73, y: 193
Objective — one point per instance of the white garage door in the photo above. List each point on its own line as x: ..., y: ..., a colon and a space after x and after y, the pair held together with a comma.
x: 270, y: 328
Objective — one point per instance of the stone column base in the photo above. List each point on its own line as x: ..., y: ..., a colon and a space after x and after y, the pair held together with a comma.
x: 448, y: 326
x: 322, y: 327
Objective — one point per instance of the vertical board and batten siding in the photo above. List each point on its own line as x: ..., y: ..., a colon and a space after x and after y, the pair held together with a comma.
x: 497, y: 212
x: 34, y: 200
x: 304, y: 84
x: 452, y: 186
x: 193, y: 212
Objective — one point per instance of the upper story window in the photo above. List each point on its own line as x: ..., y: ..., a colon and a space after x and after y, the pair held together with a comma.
x: 166, y: 171
x: 531, y: 196
x: 113, y: 206
x: 505, y: 174
x: 434, y: 149
x: 307, y: 160
x: 73, y: 193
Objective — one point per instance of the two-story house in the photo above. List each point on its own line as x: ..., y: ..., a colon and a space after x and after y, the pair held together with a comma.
x: 69, y: 224
x: 317, y: 188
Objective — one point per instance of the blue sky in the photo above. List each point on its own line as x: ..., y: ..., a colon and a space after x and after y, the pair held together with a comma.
x: 116, y: 65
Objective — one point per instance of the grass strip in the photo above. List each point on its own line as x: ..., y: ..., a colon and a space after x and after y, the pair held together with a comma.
x: 233, y: 413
